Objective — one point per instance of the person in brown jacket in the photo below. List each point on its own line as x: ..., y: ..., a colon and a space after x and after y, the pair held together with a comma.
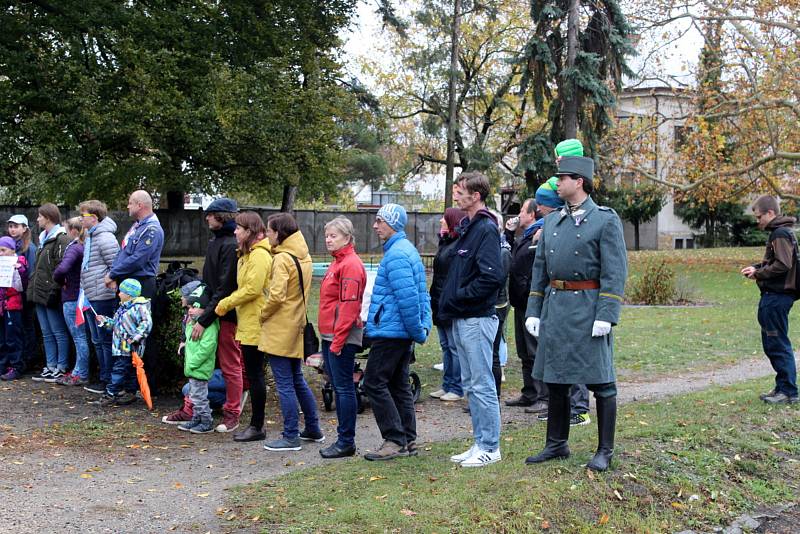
x: 775, y: 277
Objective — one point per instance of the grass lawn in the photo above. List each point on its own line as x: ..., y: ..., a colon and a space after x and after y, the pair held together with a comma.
x: 695, y: 461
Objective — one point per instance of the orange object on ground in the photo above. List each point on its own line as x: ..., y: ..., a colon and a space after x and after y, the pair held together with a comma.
x: 142, y: 378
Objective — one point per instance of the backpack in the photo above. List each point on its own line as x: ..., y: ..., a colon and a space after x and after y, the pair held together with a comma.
x: 173, y: 278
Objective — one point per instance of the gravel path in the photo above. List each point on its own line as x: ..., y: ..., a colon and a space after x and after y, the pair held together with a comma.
x: 156, y: 479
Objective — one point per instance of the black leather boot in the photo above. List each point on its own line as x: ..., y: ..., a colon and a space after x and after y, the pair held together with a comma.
x: 558, y: 411
x: 606, y: 426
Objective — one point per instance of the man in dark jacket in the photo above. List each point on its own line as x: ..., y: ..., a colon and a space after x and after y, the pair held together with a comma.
x: 219, y: 275
x: 523, y: 250
x: 468, y: 299
x: 775, y: 277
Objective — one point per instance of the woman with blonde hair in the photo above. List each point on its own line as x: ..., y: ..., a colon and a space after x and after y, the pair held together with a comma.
x: 283, y: 319
x: 68, y: 275
x: 341, y: 329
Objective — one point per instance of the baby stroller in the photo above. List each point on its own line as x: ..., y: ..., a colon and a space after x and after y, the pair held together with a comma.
x: 358, y: 380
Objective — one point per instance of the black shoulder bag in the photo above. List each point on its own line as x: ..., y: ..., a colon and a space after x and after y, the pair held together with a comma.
x: 310, y: 339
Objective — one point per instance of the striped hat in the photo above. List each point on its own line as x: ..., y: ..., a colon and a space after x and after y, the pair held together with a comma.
x: 547, y: 194
x: 131, y: 286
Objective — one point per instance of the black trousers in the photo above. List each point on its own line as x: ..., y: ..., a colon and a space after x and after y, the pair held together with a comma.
x: 532, y: 389
x: 254, y: 361
x: 389, y: 391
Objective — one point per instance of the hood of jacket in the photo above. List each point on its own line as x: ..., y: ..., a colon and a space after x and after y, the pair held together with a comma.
x: 263, y: 244
x: 295, y: 245
x: 779, y: 222
x: 106, y: 225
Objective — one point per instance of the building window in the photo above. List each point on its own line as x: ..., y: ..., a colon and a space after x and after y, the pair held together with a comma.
x: 680, y: 243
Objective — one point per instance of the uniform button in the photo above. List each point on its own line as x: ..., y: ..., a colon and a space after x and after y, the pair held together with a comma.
x: 575, y: 292
x: 576, y: 252
x: 574, y: 274
x: 551, y: 251
x: 578, y: 236
x: 555, y: 233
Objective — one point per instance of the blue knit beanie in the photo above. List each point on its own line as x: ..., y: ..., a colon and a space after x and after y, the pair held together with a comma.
x: 394, y: 215
x: 547, y: 194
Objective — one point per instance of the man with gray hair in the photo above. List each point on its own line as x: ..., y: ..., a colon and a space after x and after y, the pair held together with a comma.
x: 775, y: 277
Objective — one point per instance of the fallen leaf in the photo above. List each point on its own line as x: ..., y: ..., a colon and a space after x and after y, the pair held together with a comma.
x: 617, y: 494
x: 203, y: 495
x: 231, y: 517
x: 407, y: 512
x: 255, y: 518
x: 373, y: 479
x: 17, y: 462
x: 603, y: 519
x: 590, y: 474
x: 678, y: 505
x: 177, y: 485
x: 381, y: 497
x: 545, y: 524
x: 86, y: 475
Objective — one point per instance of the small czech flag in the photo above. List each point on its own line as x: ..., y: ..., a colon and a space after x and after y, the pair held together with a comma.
x: 81, y: 306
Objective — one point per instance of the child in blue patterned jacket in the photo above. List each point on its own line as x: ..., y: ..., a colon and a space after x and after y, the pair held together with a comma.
x: 130, y: 325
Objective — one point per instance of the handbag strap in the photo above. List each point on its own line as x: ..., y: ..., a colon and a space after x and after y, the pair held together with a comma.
x: 302, y: 285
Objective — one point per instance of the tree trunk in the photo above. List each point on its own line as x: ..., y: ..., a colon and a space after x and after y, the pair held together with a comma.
x: 635, y: 236
x: 452, y: 119
x: 570, y: 93
x: 289, y: 196
x: 174, y: 201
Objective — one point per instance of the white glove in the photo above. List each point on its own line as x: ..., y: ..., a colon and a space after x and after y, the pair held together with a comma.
x: 532, y: 326
x: 601, y: 328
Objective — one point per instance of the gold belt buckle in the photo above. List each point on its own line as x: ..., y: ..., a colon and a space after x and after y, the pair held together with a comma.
x: 559, y: 284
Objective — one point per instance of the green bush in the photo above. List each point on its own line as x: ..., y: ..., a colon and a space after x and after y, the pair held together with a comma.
x: 165, y: 338
x: 656, y: 284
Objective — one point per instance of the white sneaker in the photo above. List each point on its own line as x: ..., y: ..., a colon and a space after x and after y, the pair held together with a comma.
x: 438, y: 366
x: 481, y: 458
x: 450, y: 397
x: 458, y: 458
x: 438, y: 393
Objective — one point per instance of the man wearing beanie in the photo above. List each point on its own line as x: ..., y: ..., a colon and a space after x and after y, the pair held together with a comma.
x: 575, y: 299
x: 130, y: 327
x: 399, y: 315
x: 468, y: 300
x: 219, y: 276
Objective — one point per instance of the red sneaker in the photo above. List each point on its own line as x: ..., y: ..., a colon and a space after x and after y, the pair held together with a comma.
x: 229, y: 423
x: 177, y: 417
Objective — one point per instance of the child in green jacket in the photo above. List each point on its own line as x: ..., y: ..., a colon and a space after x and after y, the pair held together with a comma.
x: 198, y: 363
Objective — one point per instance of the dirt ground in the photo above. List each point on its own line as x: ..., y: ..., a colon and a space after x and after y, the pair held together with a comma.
x: 125, y: 471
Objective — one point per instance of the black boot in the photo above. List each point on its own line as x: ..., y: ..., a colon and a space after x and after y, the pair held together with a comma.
x: 606, y: 425
x: 558, y: 411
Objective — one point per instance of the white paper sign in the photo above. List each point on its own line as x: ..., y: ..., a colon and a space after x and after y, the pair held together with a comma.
x: 7, y: 270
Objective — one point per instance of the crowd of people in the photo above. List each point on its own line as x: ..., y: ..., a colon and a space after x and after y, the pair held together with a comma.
x: 561, y: 265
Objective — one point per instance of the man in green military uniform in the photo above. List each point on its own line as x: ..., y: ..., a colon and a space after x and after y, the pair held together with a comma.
x: 576, y: 295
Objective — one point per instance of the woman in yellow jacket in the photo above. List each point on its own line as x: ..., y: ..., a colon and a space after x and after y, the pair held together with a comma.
x: 252, y: 279
x: 283, y: 319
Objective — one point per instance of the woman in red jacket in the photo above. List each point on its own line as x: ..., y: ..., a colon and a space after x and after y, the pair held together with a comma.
x: 341, y: 329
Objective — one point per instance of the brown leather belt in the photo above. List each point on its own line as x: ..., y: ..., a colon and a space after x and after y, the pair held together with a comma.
x: 575, y: 284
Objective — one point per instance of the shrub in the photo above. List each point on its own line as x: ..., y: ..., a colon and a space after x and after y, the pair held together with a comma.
x: 656, y: 284
x: 166, y: 338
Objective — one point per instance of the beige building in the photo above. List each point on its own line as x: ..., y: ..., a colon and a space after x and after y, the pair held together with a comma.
x: 668, y: 107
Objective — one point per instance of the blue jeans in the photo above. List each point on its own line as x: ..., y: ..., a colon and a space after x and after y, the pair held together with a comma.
x: 773, y: 316
x: 340, y: 370
x: 101, y: 337
x: 292, y: 388
x: 451, y: 376
x: 123, y: 375
x: 56, y: 338
x: 474, y: 340
x: 78, y: 333
x: 11, y: 341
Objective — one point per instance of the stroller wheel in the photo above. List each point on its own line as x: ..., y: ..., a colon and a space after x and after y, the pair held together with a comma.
x: 327, y: 396
x: 416, y: 385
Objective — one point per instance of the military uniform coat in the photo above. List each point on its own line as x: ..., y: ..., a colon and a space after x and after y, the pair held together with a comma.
x: 592, y: 249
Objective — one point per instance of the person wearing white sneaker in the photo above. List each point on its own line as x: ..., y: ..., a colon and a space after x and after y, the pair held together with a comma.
x: 437, y: 394
x: 450, y: 365
x: 481, y: 458
x: 468, y: 300
x: 458, y: 458
x: 450, y: 397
